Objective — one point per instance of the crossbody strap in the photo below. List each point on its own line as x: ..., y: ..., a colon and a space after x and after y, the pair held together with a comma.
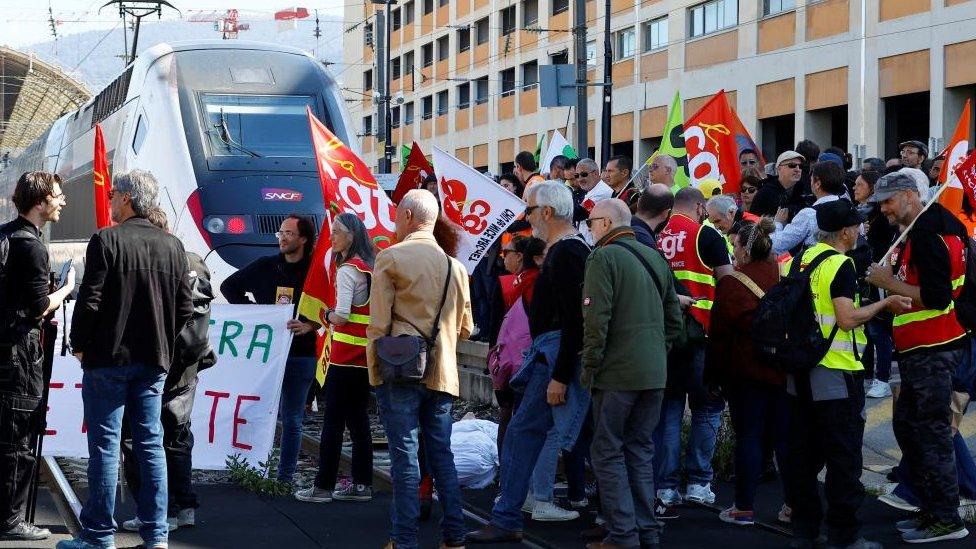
x: 437, y: 319
x: 749, y: 283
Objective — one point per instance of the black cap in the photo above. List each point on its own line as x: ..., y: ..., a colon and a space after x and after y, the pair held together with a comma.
x: 837, y: 214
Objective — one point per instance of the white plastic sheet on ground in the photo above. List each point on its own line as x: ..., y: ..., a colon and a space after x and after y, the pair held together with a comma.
x: 475, y: 452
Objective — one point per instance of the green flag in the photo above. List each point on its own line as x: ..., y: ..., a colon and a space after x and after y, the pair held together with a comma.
x: 404, y: 153
x: 538, y: 147
x: 673, y: 144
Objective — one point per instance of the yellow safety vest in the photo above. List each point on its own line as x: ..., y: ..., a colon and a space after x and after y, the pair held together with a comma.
x: 840, y: 356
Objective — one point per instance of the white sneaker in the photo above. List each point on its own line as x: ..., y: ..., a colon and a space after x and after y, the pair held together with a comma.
x: 186, y: 517
x: 547, y: 511
x: 529, y: 504
x: 669, y: 497
x: 897, y: 503
x: 135, y: 524
x: 700, y: 493
x: 581, y: 504
x: 314, y: 494
x: 879, y: 389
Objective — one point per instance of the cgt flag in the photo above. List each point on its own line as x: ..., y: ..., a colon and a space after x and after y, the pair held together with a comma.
x: 347, y: 186
x: 103, y: 208
x: 713, y: 138
x: 415, y: 170
x: 481, y: 208
x: 952, y: 196
x: 965, y: 172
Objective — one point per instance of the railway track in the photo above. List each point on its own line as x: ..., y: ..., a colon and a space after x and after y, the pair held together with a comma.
x: 65, y: 498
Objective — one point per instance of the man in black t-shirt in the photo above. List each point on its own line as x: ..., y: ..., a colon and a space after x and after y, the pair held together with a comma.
x: 278, y: 279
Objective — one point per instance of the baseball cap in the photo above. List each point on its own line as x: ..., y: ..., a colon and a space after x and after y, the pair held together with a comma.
x: 787, y: 156
x: 831, y: 157
x: 892, y: 184
x: 710, y: 187
x: 837, y: 214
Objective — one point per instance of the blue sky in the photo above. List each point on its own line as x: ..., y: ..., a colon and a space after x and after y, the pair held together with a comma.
x: 23, y: 23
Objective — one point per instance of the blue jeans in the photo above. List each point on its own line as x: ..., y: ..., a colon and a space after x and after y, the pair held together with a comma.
x: 405, y: 409
x: 879, y: 334
x: 299, y: 373
x: 107, y: 392
x: 706, y: 417
x: 574, y: 465
x: 758, y: 410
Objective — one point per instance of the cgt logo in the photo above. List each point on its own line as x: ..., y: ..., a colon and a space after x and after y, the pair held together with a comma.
x: 280, y: 195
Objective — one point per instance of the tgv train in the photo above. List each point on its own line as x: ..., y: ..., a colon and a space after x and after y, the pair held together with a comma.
x: 222, y: 126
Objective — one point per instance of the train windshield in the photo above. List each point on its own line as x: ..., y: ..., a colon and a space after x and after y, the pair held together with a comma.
x: 257, y: 125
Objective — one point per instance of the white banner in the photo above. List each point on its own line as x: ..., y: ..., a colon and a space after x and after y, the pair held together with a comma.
x: 236, y: 405
x: 481, y: 208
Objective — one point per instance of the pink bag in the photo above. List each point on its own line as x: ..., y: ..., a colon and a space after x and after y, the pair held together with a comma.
x: 505, y: 358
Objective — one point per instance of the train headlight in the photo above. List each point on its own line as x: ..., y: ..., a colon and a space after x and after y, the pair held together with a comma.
x: 236, y: 225
x: 215, y: 225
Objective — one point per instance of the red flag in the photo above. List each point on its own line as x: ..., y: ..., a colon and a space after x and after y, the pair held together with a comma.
x: 103, y: 209
x: 955, y: 154
x: 413, y: 174
x: 713, y: 138
x: 966, y: 172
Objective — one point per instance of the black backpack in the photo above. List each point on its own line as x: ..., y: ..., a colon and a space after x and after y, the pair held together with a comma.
x: 9, y: 318
x: 785, y: 329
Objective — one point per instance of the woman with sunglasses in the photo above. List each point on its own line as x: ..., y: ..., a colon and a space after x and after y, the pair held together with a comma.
x: 747, y: 190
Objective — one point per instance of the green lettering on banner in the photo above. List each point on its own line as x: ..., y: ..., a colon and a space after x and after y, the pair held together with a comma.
x: 226, y: 338
x: 263, y: 344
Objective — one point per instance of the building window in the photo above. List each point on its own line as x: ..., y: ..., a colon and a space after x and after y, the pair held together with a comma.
x: 408, y: 11
x: 442, y: 102
x: 408, y: 114
x: 464, y: 39
x: 591, y: 53
x: 408, y: 63
x: 368, y: 125
x: 368, y: 80
x: 428, y: 106
x: 442, y: 3
x: 507, y: 77
x: 481, y: 90
x: 508, y: 20
x: 530, y: 12
x: 397, y: 22
x: 530, y: 75
x: 395, y: 117
x: 427, y: 54
x: 443, y: 47
x: 394, y: 68
x: 712, y: 16
x: 464, y: 96
x: 428, y: 6
x: 559, y: 6
x: 626, y: 44
x: 656, y: 34
x: 776, y: 6
x: 560, y: 57
x: 481, y: 31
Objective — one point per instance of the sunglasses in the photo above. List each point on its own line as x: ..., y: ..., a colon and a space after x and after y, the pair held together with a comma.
x: 792, y: 165
x: 749, y: 190
x: 589, y: 222
x: 529, y: 210
x: 749, y: 162
x: 582, y: 174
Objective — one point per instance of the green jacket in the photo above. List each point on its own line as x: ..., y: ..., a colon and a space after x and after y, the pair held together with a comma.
x: 626, y: 330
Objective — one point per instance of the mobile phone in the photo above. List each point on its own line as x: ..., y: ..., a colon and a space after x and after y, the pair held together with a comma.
x: 63, y: 277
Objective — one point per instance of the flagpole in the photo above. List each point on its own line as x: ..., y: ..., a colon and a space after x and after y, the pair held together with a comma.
x: 904, y: 234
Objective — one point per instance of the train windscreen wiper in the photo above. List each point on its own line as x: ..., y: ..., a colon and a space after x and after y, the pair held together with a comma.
x: 228, y: 139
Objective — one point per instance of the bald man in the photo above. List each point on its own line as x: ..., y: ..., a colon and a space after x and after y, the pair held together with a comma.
x: 628, y: 291
x: 406, y: 299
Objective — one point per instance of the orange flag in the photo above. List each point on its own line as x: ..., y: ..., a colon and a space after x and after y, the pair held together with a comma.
x: 347, y: 186
x: 713, y: 138
x: 103, y: 209
x: 955, y: 154
x: 413, y: 174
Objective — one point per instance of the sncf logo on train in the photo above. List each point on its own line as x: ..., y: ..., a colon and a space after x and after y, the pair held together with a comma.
x: 281, y: 195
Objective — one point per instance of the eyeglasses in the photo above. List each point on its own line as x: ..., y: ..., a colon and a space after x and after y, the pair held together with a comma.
x: 748, y: 190
x: 57, y: 196
x: 589, y: 222
x: 529, y: 210
x: 289, y: 234
x: 792, y: 165
x: 582, y: 174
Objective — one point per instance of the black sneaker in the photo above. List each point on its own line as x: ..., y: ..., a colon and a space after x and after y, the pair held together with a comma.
x: 663, y: 512
x: 25, y: 531
x: 936, y: 531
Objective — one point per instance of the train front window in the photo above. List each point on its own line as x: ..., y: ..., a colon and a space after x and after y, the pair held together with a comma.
x: 257, y: 125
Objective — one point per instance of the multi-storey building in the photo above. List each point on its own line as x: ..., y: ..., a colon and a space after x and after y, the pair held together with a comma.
x: 861, y: 74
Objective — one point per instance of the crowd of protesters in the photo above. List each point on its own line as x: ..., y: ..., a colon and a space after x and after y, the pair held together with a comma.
x: 615, y: 308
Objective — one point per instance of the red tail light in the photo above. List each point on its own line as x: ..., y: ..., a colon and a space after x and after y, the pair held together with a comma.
x: 236, y: 225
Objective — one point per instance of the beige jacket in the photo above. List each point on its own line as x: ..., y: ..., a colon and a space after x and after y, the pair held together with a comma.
x: 408, y: 281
